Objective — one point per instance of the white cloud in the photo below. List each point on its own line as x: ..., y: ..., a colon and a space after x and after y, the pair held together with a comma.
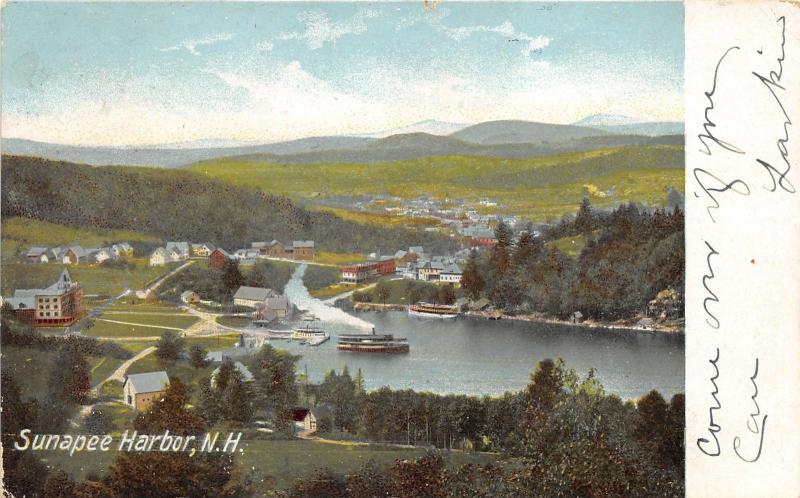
x: 319, y: 29
x: 191, y: 45
x: 265, y: 46
x: 528, y: 43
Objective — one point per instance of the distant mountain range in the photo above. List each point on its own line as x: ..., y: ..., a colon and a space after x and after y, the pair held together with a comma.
x: 505, y: 139
x: 626, y: 125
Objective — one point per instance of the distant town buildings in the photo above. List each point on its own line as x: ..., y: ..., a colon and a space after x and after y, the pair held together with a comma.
x: 58, y: 305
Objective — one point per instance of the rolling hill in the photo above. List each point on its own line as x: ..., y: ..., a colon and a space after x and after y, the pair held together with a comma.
x: 504, y: 139
x: 541, y: 188
x: 181, y: 205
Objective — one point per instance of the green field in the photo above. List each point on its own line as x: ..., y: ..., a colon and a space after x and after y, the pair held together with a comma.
x: 101, y: 367
x: 233, y: 321
x: 284, y: 461
x: 110, y: 329
x: 94, y: 279
x: 19, y: 234
x: 539, y: 188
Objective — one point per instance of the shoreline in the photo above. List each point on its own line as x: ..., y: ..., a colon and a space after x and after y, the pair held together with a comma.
x: 534, y: 318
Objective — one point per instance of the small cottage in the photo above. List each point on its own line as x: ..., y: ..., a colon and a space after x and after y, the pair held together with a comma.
x: 142, y: 390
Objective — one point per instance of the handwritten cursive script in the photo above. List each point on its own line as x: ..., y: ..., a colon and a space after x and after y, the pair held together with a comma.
x: 710, y: 124
x: 713, y: 427
x: 753, y: 424
x: 773, y: 82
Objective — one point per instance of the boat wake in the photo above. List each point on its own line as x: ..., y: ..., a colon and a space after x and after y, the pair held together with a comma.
x: 298, y: 295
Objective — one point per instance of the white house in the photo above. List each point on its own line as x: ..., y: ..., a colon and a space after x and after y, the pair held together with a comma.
x: 142, y: 390
x: 159, y: 257
x: 203, y: 250
x: 181, y: 249
x: 121, y: 249
x: 103, y: 254
x: 450, y: 273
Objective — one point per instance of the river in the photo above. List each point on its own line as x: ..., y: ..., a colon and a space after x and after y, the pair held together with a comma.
x: 475, y: 356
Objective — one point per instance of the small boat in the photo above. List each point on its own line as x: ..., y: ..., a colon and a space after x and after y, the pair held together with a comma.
x: 428, y: 310
x: 372, y: 343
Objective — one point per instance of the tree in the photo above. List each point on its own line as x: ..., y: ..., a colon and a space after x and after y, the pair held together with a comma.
x: 232, y: 277
x: 209, y: 407
x: 170, y: 413
x: 169, y: 347
x: 58, y: 485
x: 584, y: 220
x: 323, y: 484
x: 275, y: 386
x: 70, y: 381
x: 471, y: 279
x: 447, y: 294
x: 236, y: 399
x: 197, y: 476
x: 224, y: 373
x: 382, y: 291
x: 197, y: 356
x: 359, y: 383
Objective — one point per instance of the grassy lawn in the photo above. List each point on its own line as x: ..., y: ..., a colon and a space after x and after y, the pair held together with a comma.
x: 319, y: 277
x: 111, y: 389
x: 164, y: 320
x: 101, y: 367
x: 284, y: 461
x: 378, y: 219
x: 108, y: 329
x: 95, y: 279
x: 144, y: 307
x: 233, y: 321
x: 19, y: 234
x: 539, y: 188
x: 337, y: 258
x: 331, y: 290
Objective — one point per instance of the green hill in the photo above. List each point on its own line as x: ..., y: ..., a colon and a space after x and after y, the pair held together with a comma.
x: 540, y: 188
x: 181, y: 205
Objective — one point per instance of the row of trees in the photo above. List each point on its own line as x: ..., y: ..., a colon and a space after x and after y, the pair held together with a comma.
x: 572, y: 438
x: 630, y: 255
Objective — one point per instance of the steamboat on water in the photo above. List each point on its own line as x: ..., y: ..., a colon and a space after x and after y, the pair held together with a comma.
x: 372, y: 343
x: 428, y: 310
x: 309, y: 333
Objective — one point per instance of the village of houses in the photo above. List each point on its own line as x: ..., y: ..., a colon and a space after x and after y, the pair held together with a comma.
x: 60, y: 307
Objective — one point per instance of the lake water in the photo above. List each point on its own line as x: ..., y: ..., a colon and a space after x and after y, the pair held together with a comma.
x: 474, y: 356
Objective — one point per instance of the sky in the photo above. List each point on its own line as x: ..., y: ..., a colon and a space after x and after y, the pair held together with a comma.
x: 145, y: 73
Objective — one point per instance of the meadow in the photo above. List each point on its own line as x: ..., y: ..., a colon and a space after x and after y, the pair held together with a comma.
x: 96, y: 279
x: 19, y: 234
x: 541, y: 188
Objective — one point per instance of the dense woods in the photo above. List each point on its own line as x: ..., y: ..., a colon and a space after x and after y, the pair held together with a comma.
x: 180, y: 205
x: 631, y: 255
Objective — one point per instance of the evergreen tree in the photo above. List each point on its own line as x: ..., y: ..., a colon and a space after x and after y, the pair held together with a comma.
x: 169, y: 347
x: 236, y: 399
x: 209, y: 403
x: 584, y: 220
x: 359, y: 383
x: 232, y: 277
x: 471, y: 280
x: 224, y: 374
x: 197, y: 356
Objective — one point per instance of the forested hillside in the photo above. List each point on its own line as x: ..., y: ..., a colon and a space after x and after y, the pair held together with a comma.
x: 183, y: 206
